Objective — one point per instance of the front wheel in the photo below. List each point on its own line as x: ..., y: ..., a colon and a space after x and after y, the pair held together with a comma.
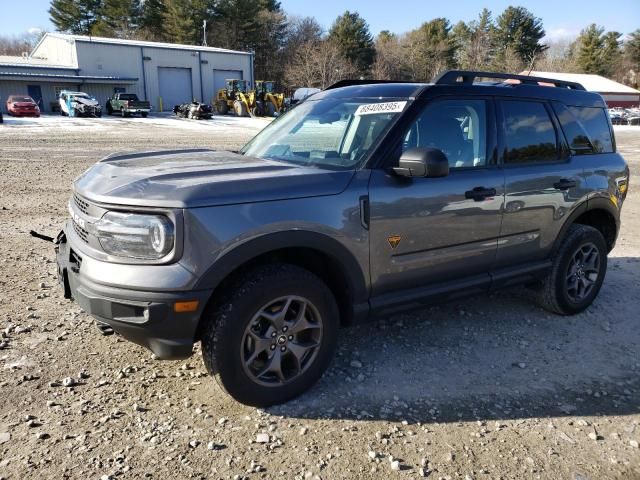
x: 578, y: 271
x: 273, y: 336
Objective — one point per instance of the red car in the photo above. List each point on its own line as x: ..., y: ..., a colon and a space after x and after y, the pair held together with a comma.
x: 22, y: 106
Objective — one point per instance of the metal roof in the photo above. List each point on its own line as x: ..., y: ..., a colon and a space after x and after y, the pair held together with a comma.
x: 31, y: 62
x: 591, y: 82
x: 141, y: 43
x: 79, y: 78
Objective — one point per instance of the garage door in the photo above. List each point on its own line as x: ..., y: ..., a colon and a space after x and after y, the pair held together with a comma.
x: 220, y: 78
x: 175, y: 86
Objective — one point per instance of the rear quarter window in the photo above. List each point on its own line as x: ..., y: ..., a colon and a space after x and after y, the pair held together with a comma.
x: 595, y: 123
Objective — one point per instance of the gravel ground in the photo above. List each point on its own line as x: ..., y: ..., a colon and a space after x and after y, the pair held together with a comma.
x: 483, y: 388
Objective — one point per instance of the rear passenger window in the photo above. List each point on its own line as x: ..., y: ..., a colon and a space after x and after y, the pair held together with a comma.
x: 529, y: 134
x: 594, y: 120
x: 577, y: 137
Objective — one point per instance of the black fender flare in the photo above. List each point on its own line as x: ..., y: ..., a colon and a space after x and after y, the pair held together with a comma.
x: 597, y: 203
x: 245, y: 252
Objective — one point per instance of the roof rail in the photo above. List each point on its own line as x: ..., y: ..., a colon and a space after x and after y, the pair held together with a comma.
x: 349, y: 83
x: 454, y: 77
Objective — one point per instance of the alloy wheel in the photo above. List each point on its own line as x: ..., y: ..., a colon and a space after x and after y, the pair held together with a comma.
x: 583, y: 272
x: 281, y: 341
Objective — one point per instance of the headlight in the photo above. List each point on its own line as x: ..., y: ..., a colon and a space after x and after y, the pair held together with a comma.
x: 147, y: 237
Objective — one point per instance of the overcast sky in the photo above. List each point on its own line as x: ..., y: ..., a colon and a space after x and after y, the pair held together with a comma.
x: 562, y: 18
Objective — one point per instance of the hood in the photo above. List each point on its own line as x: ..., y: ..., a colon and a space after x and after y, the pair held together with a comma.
x: 86, y: 101
x: 199, y: 178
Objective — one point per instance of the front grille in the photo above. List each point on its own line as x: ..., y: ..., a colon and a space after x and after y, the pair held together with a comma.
x: 82, y: 205
x: 81, y: 232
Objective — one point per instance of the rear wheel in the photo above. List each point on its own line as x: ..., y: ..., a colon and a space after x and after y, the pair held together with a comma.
x: 578, y: 271
x: 273, y: 336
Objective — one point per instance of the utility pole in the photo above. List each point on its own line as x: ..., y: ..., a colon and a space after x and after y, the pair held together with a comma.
x: 204, y: 33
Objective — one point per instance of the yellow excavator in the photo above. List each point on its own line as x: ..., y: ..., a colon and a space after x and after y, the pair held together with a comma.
x: 267, y: 102
x: 236, y: 97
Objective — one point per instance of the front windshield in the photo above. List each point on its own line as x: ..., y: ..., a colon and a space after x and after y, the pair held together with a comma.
x: 21, y: 99
x: 331, y: 132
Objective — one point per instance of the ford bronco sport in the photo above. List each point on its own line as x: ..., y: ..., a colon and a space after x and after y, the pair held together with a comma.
x: 365, y: 199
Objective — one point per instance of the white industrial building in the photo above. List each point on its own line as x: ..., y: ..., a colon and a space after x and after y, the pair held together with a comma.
x: 165, y: 74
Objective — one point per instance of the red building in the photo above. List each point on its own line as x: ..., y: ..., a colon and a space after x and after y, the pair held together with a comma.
x: 614, y: 93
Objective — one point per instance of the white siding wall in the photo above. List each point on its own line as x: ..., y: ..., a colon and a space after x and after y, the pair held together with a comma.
x: 111, y: 60
x: 58, y: 51
x: 104, y: 59
x: 126, y: 61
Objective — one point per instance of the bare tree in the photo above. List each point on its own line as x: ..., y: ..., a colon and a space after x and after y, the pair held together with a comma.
x: 17, y: 45
x: 389, y: 63
x: 318, y: 64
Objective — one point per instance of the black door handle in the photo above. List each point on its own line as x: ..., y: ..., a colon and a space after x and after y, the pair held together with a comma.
x: 565, y: 184
x: 480, y: 193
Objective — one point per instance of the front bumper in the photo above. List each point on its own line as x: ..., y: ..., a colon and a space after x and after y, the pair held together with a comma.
x: 143, y: 317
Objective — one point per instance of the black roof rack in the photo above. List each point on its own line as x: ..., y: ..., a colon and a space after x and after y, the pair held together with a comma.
x: 349, y: 83
x: 455, y: 77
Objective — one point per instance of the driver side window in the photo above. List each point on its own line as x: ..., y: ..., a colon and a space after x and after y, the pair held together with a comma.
x: 457, y: 127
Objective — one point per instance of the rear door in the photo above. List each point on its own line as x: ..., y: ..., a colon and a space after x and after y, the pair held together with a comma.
x: 544, y: 182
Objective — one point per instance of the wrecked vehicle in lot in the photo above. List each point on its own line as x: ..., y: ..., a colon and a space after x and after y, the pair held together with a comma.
x: 363, y: 200
x: 78, y: 104
x: 194, y: 110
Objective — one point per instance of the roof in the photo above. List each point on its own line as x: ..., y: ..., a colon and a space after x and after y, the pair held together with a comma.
x: 591, y: 82
x: 141, y: 43
x: 74, y: 78
x: 31, y: 62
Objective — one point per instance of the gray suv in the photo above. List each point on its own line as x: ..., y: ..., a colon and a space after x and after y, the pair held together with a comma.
x: 365, y: 199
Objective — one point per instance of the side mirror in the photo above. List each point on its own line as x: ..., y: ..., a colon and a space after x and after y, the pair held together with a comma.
x: 422, y: 162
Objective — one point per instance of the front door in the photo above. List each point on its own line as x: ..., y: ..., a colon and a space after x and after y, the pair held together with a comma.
x: 434, y: 230
x: 35, y: 92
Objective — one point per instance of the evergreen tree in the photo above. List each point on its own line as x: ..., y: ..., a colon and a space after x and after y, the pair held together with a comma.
x: 589, y: 47
x: 612, y: 55
x: 517, y: 35
x: 351, y: 33
x: 177, y: 23
x: 430, y: 49
x: 151, y: 20
x: 75, y: 16
x: 118, y: 18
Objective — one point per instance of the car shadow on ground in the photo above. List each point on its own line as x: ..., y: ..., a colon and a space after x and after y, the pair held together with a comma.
x: 494, y: 357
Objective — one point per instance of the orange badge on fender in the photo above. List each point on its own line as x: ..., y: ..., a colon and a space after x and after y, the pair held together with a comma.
x: 394, y: 240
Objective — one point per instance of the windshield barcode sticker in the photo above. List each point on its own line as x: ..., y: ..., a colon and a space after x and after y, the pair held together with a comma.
x: 373, y: 108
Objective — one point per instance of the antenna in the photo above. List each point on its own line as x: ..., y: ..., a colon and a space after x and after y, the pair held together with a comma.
x: 204, y: 33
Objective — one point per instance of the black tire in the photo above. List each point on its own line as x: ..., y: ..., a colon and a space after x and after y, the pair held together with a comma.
x: 240, y: 109
x: 555, y: 294
x: 144, y: 114
x: 227, y: 322
x: 222, y: 107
